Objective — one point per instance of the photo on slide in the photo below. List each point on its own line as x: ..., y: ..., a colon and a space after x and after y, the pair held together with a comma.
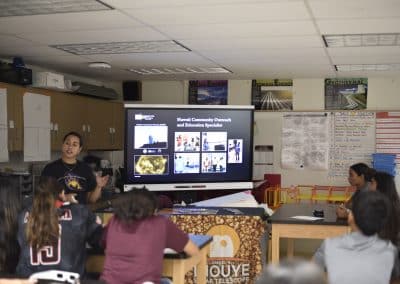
x: 213, y: 163
x: 186, y: 163
x: 235, y: 150
x: 187, y: 142
x: 213, y: 141
x: 151, y: 137
x: 151, y: 164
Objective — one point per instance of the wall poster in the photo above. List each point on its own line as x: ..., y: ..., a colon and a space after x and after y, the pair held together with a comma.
x: 272, y: 94
x: 208, y: 92
x: 305, y: 141
x: 346, y: 93
x: 352, y: 140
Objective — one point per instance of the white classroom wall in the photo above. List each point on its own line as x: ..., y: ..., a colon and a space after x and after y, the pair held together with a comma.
x: 383, y: 94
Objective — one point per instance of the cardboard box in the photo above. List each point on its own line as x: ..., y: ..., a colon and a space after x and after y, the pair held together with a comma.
x: 49, y: 80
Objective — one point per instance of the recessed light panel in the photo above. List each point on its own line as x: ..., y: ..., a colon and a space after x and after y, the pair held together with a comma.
x: 178, y: 70
x: 9, y: 8
x: 123, y: 47
x: 357, y: 40
x: 367, y: 67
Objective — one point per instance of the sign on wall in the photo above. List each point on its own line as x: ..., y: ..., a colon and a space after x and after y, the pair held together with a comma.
x: 208, y: 92
x: 272, y: 94
x: 346, y: 93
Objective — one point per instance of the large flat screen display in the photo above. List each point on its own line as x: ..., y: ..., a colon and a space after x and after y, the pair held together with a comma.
x: 185, y: 147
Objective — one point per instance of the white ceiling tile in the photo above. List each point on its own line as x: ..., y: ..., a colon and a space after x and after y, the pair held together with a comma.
x: 253, y: 43
x: 95, y: 36
x: 359, y: 26
x: 96, y: 20
x: 342, y: 9
x: 214, y: 14
x: 244, y: 30
x: 30, y: 50
x: 8, y: 40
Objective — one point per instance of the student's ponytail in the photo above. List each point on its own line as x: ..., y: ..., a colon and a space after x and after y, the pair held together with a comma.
x: 42, y: 223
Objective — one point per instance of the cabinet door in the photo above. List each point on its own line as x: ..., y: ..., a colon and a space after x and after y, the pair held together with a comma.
x: 14, y: 116
x: 68, y: 113
x: 99, y: 121
x: 118, y: 129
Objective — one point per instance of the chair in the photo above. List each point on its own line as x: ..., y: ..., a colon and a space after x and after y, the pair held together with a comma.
x: 305, y: 192
x: 288, y: 195
x: 339, y: 194
x: 271, y: 197
x: 321, y: 193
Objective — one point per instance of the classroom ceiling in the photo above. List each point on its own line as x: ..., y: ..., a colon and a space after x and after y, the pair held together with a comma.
x: 253, y: 39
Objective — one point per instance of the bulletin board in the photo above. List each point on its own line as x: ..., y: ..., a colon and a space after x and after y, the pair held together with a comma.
x: 341, y: 138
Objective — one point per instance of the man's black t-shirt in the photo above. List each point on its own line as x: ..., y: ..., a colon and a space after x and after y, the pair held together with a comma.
x: 76, y: 178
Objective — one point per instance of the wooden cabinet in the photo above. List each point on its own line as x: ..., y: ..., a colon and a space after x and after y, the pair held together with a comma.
x: 118, y: 131
x: 100, y: 122
x: 14, y: 116
x: 105, y: 125
x: 68, y: 113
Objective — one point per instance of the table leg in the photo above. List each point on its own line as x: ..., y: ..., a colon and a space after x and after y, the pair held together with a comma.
x: 201, y: 268
x: 178, y: 272
x: 290, y: 248
x: 274, y: 245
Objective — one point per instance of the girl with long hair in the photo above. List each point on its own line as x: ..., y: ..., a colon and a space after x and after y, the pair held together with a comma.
x: 53, y: 233
x: 384, y: 183
x: 10, y: 205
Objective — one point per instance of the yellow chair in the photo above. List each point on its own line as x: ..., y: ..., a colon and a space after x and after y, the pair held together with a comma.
x: 305, y: 192
x: 339, y: 194
x: 321, y: 193
x: 271, y: 197
x: 288, y: 195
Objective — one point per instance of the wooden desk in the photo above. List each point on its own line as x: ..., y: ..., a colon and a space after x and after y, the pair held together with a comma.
x: 175, y: 265
x: 283, y: 226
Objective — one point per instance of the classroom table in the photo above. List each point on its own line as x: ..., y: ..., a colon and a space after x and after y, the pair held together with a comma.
x: 284, y: 226
x: 175, y: 265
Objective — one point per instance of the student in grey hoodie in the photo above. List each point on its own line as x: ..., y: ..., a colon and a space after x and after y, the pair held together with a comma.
x: 360, y: 256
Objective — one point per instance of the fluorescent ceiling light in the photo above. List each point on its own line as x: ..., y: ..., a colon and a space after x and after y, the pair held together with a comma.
x: 99, y: 65
x: 367, y: 67
x: 123, y: 47
x: 178, y: 70
x: 357, y: 40
x: 9, y: 8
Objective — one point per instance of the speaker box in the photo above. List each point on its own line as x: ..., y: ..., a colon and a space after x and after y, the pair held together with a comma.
x: 132, y: 90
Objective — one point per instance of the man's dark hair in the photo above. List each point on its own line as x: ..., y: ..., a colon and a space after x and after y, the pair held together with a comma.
x: 137, y: 204
x: 76, y: 134
x: 370, y: 211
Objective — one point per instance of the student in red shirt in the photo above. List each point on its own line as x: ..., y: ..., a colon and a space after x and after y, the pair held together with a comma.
x: 135, y: 239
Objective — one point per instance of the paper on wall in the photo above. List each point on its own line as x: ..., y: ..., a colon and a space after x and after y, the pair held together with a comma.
x: 36, y: 127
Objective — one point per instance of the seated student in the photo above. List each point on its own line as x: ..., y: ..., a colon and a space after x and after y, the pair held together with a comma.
x: 384, y: 183
x: 361, y: 256
x: 10, y: 205
x: 53, y: 234
x: 135, y: 239
x: 292, y: 271
x: 359, y: 176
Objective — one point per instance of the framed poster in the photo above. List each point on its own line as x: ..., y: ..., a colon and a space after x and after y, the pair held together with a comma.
x: 346, y: 93
x: 272, y: 94
x: 208, y: 92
